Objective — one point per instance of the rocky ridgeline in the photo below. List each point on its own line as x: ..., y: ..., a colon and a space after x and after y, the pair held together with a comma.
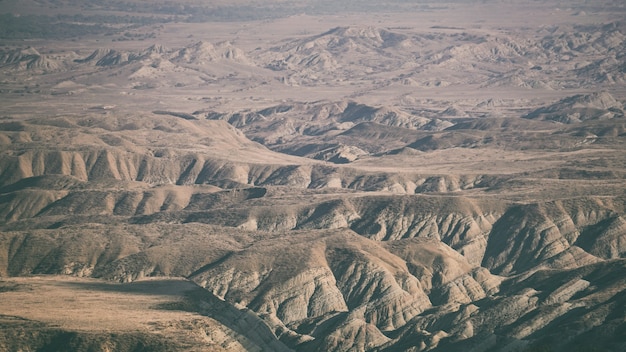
x: 29, y: 59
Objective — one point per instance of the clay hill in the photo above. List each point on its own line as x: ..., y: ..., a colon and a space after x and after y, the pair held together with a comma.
x: 457, y: 260
x: 397, y: 177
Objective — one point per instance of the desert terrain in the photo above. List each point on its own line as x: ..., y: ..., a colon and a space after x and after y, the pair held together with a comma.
x: 312, y: 175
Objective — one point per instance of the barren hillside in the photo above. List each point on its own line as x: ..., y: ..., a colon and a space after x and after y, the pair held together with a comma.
x: 312, y: 176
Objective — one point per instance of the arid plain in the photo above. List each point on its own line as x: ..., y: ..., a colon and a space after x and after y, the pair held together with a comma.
x: 312, y: 176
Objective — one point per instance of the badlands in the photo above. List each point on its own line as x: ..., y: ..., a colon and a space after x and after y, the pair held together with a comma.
x: 313, y: 175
